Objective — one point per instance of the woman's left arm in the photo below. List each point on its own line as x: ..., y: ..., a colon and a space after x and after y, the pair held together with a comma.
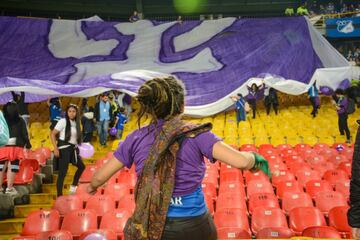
x: 103, y: 174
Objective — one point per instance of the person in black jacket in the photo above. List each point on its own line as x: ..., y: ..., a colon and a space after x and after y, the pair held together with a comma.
x: 103, y: 115
x: 13, y: 152
x: 23, y: 107
x: 354, y: 211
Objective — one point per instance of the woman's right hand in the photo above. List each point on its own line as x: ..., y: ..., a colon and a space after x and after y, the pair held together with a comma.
x: 56, y: 152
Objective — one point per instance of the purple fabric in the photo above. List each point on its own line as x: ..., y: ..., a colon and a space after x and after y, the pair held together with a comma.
x: 190, y: 165
x: 326, y: 91
x: 247, y: 48
x: 343, y: 105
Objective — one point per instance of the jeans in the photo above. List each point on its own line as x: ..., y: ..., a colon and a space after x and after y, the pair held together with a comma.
x: 343, y: 125
x: 102, y: 127
x: 119, y: 133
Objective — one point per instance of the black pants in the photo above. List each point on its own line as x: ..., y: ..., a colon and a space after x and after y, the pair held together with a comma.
x: 268, y: 105
x: 195, y: 228
x: 315, y: 106
x: 252, y: 103
x: 343, y: 125
x: 63, y: 163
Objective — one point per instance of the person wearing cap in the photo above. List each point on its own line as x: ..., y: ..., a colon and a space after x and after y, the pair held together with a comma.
x: 354, y: 211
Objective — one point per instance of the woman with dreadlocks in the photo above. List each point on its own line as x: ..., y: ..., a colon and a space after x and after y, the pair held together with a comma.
x: 65, y: 148
x: 169, y: 160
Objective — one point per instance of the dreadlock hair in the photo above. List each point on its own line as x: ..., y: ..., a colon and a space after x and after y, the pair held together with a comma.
x: 68, y: 124
x: 161, y: 98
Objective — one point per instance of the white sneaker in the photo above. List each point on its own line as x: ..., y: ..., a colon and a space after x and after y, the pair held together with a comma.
x: 72, y: 189
x: 11, y: 191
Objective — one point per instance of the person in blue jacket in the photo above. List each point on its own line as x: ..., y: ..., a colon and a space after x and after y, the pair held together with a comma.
x: 240, y: 107
x: 120, y: 120
x: 314, y: 99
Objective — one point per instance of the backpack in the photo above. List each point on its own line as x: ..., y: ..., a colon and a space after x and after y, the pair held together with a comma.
x: 4, y: 130
x: 351, y: 106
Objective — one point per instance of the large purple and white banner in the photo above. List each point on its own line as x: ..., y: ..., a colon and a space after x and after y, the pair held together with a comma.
x: 214, y: 58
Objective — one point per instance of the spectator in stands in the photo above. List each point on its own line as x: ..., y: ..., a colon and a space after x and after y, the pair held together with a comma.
x: 120, y: 120
x: 23, y: 107
x: 113, y: 103
x: 302, y: 10
x: 170, y: 153
x: 13, y: 152
x: 271, y: 99
x: 341, y: 103
x: 314, y: 99
x: 84, y: 105
x: 135, y: 17
x: 179, y: 20
x: 344, y: 8
x: 119, y: 98
x: 241, y: 107
x: 354, y: 211
x: 88, y: 125
x: 253, y: 96
x: 103, y: 116
x: 127, y: 105
x: 66, y: 147
x: 55, y: 111
x: 289, y: 11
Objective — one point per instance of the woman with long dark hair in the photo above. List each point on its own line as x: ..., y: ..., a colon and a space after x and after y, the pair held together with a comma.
x: 169, y: 160
x: 65, y: 148
x: 13, y: 152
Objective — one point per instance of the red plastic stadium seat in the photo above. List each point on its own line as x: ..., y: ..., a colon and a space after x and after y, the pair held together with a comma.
x: 267, y: 200
x: 67, y: 203
x: 295, y: 200
x: 337, y: 159
x: 100, y: 162
x: 277, y: 167
x: 41, y: 155
x: 304, y: 176
x: 232, y: 187
x: 117, y: 190
x: 58, y: 235
x: 101, y: 204
x: 336, y: 145
x: 267, y: 217
x: 129, y: 178
x: 301, y: 218
x: 232, y: 218
x: 343, y: 187
x: 265, y: 147
x: 328, y: 153
x: 333, y: 176
x: 88, y: 173
x: 346, y: 167
x: 127, y: 202
x: 325, y: 201
x: 348, y: 153
x: 211, y: 177
x: 233, y: 233
x: 24, y: 238
x: 209, y: 189
x: 209, y: 203
x: 321, y: 232
x: 248, y: 148
x: 283, y: 176
x: 231, y: 200
x: 231, y: 175
x: 314, y: 187
x: 30, y: 163
x: 115, y: 220
x: 293, y: 159
x: 283, y: 146
x: 286, y: 153
x: 82, y: 192
x: 320, y: 146
x: 338, y: 220
x: 302, y: 147
x: 256, y: 176
x: 315, y: 160
x: 287, y: 186
x: 41, y: 221
x: 274, y: 159
x: 308, y: 154
x: 108, y: 234
x: 259, y: 187
x: 323, y: 167
x: 79, y: 221
x: 24, y: 176
x: 274, y: 232
x: 294, y: 167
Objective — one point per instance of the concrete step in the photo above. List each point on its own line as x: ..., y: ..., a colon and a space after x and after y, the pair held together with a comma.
x: 11, y: 226
x: 22, y: 211
x: 49, y: 188
x: 42, y: 198
x: 8, y: 236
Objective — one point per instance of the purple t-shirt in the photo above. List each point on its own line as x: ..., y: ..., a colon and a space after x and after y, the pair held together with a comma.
x: 343, y: 104
x: 190, y: 165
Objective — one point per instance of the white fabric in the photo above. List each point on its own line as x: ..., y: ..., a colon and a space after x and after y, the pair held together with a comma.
x: 61, y: 126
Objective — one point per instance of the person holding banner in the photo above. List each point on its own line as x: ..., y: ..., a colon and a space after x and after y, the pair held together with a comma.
x: 169, y: 160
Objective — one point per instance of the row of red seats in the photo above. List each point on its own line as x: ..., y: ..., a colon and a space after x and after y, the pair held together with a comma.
x: 231, y: 223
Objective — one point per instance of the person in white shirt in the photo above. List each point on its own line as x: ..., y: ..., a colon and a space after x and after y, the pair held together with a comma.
x: 66, y: 149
